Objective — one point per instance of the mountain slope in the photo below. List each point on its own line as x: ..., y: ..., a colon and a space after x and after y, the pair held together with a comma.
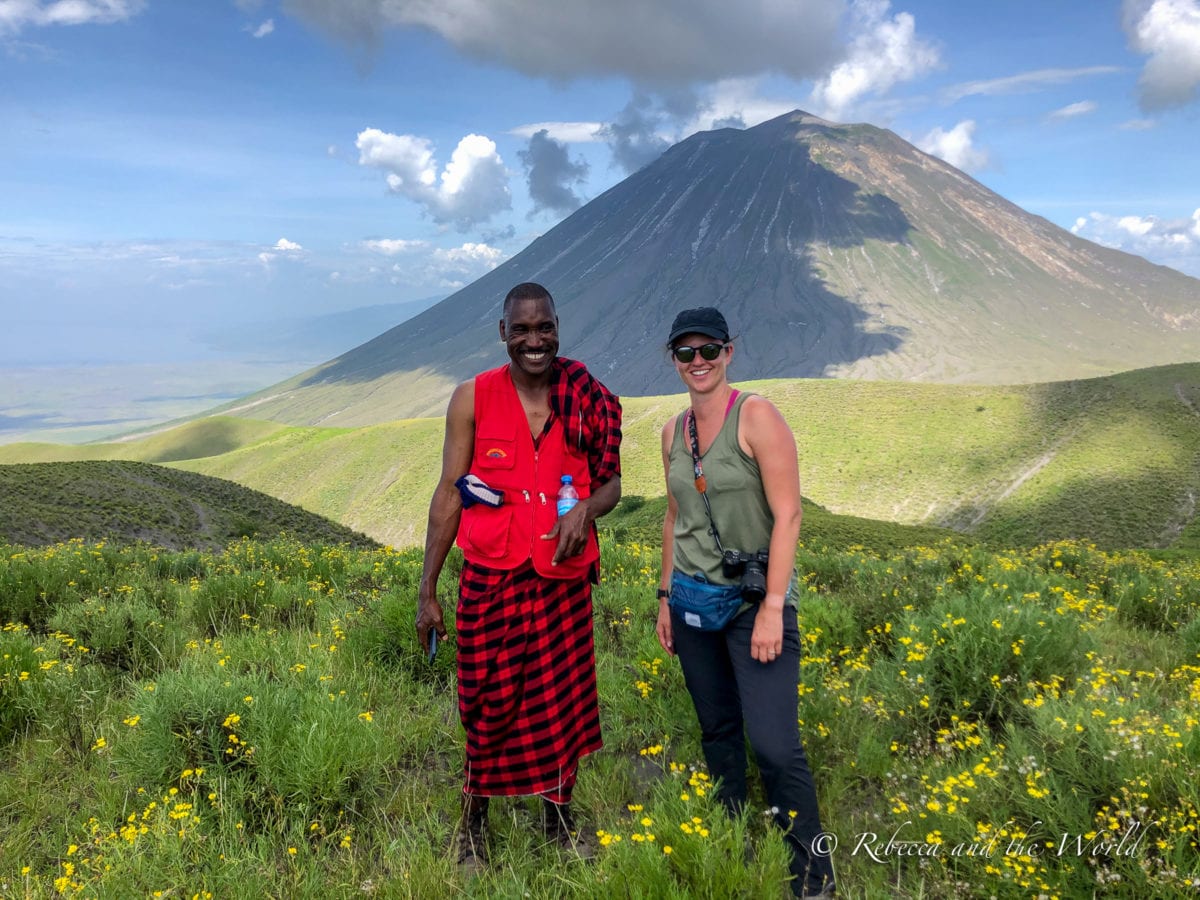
x: 122, y: 502
x: 1114, y: 460
x: 834, y: 251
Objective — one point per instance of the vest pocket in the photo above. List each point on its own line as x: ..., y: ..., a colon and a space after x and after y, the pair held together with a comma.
x: 486, y: 531
x: 495, y: 453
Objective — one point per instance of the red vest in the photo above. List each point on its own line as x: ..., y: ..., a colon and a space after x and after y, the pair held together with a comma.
x: 506, y: 536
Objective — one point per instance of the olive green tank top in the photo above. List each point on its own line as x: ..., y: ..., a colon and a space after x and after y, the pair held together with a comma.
x: 735, y: 492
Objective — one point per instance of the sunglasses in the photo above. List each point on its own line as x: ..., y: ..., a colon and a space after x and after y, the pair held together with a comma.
x: 686, y: 354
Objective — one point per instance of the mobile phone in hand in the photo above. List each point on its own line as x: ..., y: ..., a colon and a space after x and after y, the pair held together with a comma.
x: 432, y: 644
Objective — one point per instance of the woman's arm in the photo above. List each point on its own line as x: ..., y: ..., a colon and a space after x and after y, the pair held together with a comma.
x: 768, y: 438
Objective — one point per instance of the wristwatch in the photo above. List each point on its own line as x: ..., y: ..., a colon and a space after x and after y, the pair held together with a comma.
x: 663, y: 593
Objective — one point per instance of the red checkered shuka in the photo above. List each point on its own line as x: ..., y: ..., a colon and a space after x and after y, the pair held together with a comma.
x: 526, y: 681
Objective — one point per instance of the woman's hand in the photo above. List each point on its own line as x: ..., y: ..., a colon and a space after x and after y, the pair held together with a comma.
x: 663, y: 627
x: 766, y: 641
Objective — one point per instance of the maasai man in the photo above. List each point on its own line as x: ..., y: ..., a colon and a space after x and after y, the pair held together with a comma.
x: 526, y: 660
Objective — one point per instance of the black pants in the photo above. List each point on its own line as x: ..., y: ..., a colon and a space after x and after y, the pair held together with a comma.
x: 736, y: 696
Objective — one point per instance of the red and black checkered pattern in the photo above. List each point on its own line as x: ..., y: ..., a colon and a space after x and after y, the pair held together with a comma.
x: 526, y: 681
x: 591, y: 417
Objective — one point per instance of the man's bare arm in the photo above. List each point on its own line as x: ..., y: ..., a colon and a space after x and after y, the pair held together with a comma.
x: 445, y: 508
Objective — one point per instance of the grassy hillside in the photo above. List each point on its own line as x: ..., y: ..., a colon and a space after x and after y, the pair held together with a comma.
x: 1113, y: 460
x: 120, y: 502
x: 259, y: 722
x: 192, y: 440
x: 638, y: 519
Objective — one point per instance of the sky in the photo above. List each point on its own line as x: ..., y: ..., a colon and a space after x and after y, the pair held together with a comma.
x: 172, y: 172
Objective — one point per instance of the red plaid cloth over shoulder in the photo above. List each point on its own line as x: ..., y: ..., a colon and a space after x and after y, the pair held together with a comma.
x: 591, y: 417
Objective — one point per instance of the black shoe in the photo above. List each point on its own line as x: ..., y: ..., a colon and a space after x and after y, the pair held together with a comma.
x: 470, y: 842
x: 560, y: 828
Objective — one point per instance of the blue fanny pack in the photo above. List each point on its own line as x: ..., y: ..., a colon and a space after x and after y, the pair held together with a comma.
x: 702, y: 604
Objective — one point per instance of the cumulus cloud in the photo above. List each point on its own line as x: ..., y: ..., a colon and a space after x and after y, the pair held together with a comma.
x: 393, y: 246
x: 956, y: 146
x: 551, y: 174
x: 1169, y: 242
x: 1168, y: 32
x: 421, y: 263
x: 471, y: 188
x: 18, y: 14
x: 282, y: 247
x: 1074, y: 110
x: 264, y: 29
x: 660, y: 43
x: 883, y: 53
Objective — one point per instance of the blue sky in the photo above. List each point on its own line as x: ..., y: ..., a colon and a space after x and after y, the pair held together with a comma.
x: 171, y: 171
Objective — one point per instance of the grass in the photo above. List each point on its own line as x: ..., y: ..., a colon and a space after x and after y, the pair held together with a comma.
x: 1113, y: 460
x: 45, y: 503
x: 258, y: 721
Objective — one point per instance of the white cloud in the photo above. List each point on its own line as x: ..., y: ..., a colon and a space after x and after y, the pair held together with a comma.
x: 472, y: 187
x: 956, y: 146
x: 656, y: 43
x: 264, y: 29
x: 566, y: 132
x: 1025, y: 82
x: 1138, y: 125
x: 393, y: 246
x: 1169, y: 242
x: 17, y: 14
x: 1136, y: 225
x: 884, y: 53
x: 1075, y: 110
x: 282, y: 248
x: 470, y: 255
x: 440, y: 267
x: 1168, y: 32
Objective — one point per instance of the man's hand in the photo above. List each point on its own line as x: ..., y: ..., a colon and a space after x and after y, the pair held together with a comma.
x: 429, y: 618
x: 572, y: 531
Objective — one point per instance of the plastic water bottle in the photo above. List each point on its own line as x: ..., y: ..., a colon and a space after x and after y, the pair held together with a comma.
x: 567, y: 496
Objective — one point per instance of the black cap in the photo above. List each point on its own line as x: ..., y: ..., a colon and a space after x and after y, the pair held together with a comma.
x: 705, y: 320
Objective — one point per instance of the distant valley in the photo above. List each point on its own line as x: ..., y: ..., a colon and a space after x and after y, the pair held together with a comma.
x: 76, y: 403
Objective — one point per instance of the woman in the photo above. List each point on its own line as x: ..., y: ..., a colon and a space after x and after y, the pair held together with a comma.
x: 733, y: 486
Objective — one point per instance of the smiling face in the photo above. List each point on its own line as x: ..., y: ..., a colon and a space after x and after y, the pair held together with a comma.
x: 530, y: 331
x: 700, y: 374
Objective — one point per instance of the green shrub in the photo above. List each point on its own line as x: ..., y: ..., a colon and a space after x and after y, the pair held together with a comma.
x: 125, y: 632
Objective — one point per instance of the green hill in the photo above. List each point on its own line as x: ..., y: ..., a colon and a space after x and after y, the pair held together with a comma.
x: 122, y: 502
x: 1114, y: 460
x: 639, y: 520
